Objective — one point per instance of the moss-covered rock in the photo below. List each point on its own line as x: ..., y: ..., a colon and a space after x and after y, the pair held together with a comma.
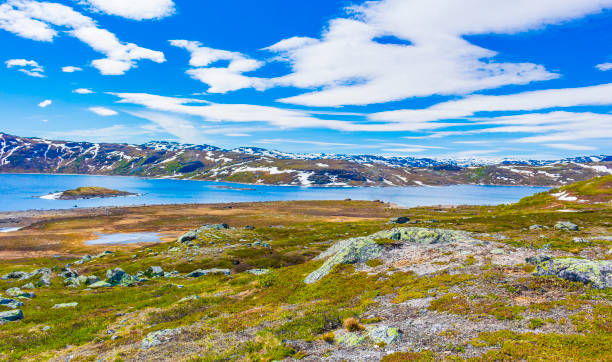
x: 384, y: 334
x: 597, y: 273
x: 362, y: 249
x: 350, y: 339
x: 11, y: 316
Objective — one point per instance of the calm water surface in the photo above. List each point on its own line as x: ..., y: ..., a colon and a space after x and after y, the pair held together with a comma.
x: 22, y: 192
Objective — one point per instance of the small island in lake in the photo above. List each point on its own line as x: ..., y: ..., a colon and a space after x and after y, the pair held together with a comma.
x: 89, y: 192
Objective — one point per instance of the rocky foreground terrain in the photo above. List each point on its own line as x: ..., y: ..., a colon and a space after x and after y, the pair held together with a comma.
x: 337, y: 281
x: 260, y: 166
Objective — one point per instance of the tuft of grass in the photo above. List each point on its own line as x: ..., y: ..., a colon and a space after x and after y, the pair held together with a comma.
x: 352, y: 325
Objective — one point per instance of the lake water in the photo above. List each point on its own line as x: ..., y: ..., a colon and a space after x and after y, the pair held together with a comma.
x: 23, y: 191
x: 124, y: 238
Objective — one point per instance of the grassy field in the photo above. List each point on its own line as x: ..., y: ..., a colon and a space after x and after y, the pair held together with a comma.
x: 478, y: 301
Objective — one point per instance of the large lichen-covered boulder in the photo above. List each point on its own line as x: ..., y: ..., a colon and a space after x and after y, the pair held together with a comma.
x: 11, y: 316
x: 597, y: 273
x: 364, y: 248
x: 385, y: 334
x: 154, y: 272
x: 118, y: 277
x: 11, y: 303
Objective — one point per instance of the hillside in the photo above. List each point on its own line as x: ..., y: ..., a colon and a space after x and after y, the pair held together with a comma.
x: 260, y: 166
x: 311, y: 280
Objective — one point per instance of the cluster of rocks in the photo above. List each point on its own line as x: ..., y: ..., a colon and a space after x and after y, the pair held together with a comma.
x: 44, y: 279
x: 18, y: 296
x: 194, y: 234
x: 406, y: 220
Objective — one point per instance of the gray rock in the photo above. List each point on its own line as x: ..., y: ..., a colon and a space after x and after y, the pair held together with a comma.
x: 258, y: 271
x: 11, y: 303
x: 399, y: 220
x: 11, y: 316
x: 349, y: 339
x: 65, y: 305
x: 249, y: 227
x: 118, y: 277
x: 597, y: 273
x: 385, y: 334
x: 159, y: 337
x: 566, y: 226
x: 535, y: 260
x: 154, y: 272
x: 188, y: 236
x: 498, y: 251
x: 18, y: 293
x: 87, y: 279
x: 28, y: 286
x: 537, y: 227
x: 68, y: 273
x: 212, y: 227
x: 202, y: 272
x: 100, y: 284
x: 362, y: 249
x: 15, y: 275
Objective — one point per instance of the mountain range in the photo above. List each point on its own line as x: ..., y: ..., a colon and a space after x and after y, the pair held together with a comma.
x: 252, y: 165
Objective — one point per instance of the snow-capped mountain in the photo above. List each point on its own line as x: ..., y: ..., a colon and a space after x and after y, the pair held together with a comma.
x: 262, y: 166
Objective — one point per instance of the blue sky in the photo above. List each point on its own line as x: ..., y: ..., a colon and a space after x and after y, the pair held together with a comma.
x: 509, y: 78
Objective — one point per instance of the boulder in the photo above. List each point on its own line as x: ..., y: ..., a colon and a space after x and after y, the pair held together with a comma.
x: 65, y: 305
x: 597, y: 273
x: 385, y: 334
x: 350, y: 339
x: 66, y: 272
x: 201, y: 272
x: 249, y: 227
x: 188, y: 236
x: 566, y: 226
x: 159, y: 337
x: 118, y: 277
x: 399, y: 220
x: 154, y: 272
x: 362, y: 249
x: 15, y: 275
x: 535, y: 260
x: 212, y: 227
x: 87, y: 279
x: 258, y: 271
x: 100, y: 284
x: 11, y: 303
x: 11, y: 316
x: 537, y: 227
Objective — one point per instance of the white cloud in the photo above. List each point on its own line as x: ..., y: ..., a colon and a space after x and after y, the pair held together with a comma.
x: 83, y: 91
x: 44, y: 104
x: 571, y: 147
x: 134, y: 9
x: 221, y: 79
x: 237, y: 135
x: 430, y: 55
x: 179, y: 127
x: 102, y: 111
x: 278, y: 117
x: 604, y: 66
x: 29, y: 67
x: 71, y: 69
x: 527, y: 101
x: 36, y: 20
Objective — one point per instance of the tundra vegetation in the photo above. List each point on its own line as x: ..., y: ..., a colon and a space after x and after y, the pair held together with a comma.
x: 315, y: 280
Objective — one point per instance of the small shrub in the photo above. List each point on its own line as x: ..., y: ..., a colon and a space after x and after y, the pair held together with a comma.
x: 329, y: 337
x: 535, y: 323
x: 352, y: 325
x: 373, y: 263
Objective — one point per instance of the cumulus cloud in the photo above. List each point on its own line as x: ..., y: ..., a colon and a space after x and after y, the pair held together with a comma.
x: 134, y: 9
x: 604, y: 66
x: 38, y: 21
x: 29, y: 67
x: 44, y: 104
x: 82, y: 91
x: 221, y: 79
x: 103, y: 111
x: 71, y: 69
x: 427, y: 53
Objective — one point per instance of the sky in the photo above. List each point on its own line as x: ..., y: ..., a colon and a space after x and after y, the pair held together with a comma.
x: 444, y: 78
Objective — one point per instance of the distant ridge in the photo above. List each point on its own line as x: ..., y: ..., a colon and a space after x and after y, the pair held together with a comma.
x: 262, y: 166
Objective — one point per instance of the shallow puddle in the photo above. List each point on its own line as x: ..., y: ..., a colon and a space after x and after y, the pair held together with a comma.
x: 125, y: 238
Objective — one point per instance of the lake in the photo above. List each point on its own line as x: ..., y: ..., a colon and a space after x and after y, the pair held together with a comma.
x: 23, y: 191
